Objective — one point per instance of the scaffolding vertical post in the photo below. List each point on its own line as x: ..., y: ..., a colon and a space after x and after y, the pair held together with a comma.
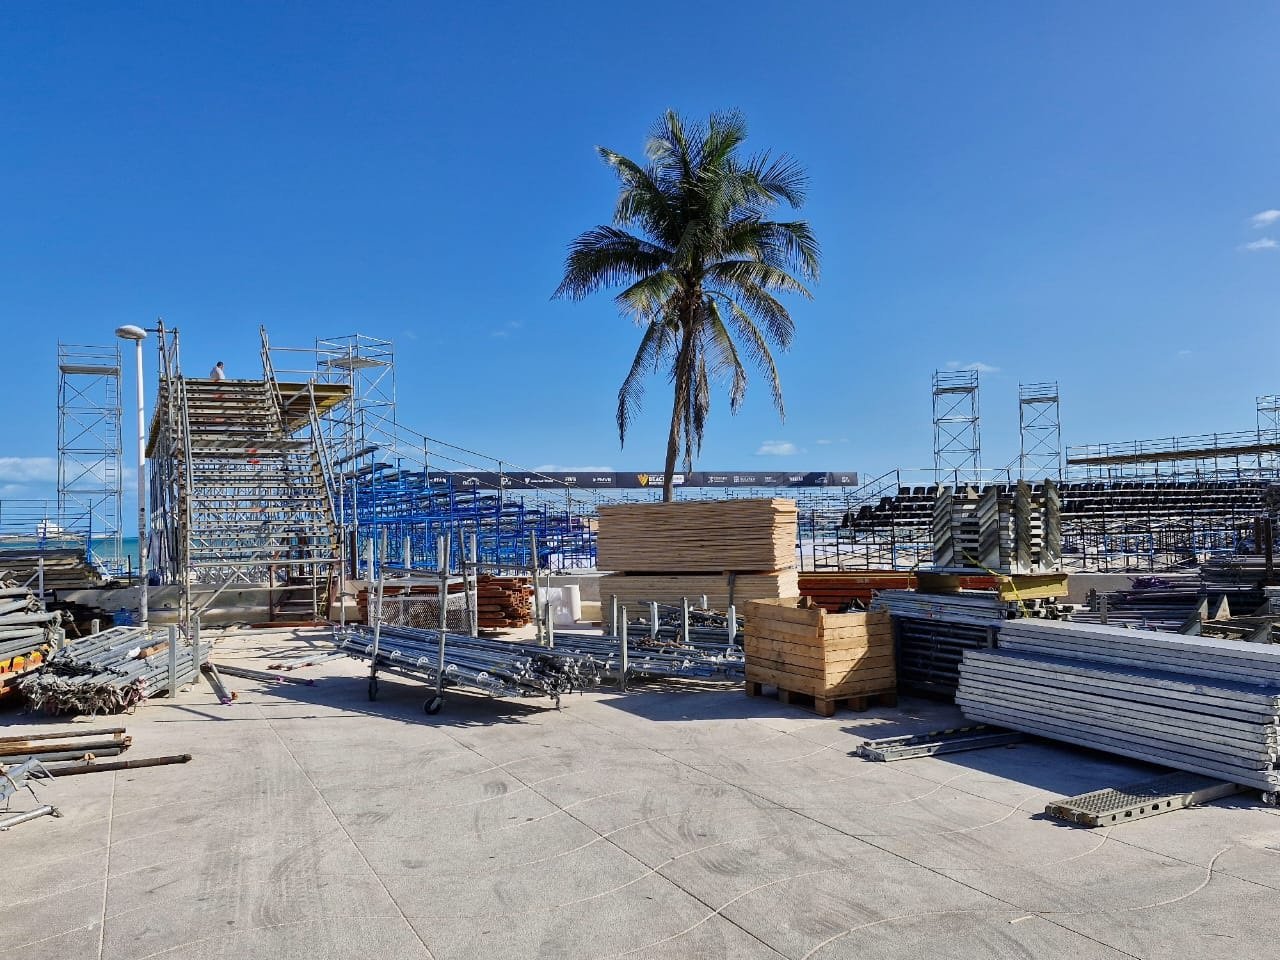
x: 1040, y: 432
x: 956, y: 434
x: 1269, y: 432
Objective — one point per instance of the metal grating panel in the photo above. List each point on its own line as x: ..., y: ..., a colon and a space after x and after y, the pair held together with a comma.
x: 1174, y: 791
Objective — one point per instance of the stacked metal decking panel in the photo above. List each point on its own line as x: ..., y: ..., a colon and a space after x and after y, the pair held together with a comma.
x: 932, y: 632
x: 1192, y: 703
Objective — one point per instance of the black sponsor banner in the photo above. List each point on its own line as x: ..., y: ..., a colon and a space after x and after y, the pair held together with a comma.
x: 591, y: 480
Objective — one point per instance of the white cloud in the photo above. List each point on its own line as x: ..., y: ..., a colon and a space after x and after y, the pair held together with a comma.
x: 28, y: 470
x: 1263, y: 243
x: 777, y: 448
x: 559, y: 468
x: 1184, y: 353
x: 506, y: 329
x: 1264, y: 219
x: 824, y: 443
x: 975, y: 365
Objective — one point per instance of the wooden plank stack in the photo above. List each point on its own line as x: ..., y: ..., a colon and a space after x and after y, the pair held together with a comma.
x: 503, y: 603
x: 732, y: 551
x: 633, y: 590
x: 832, y: 659
x: 697, y: 536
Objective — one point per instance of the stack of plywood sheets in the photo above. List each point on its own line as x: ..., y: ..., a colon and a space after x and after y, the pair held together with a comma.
x: 634, y: 590
x: 730, y: 551
x: 831, y: 658
x: 697, y: 536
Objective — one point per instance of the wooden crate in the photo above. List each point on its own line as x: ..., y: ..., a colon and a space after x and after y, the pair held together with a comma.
x: 697, y: 536
x: 805, y: 651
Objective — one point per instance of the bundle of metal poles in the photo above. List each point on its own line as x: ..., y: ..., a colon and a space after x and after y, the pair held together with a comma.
x: 1192, y: 703
x: 646, y: 657
x: 112, y: 671
x: 64, y: 745
x: 933, y: 631
x: 490, y: 666
x: 675, y: 640
x: 25, y: 626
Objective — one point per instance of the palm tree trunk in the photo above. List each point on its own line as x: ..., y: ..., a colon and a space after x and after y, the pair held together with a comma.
x: 684, y: 372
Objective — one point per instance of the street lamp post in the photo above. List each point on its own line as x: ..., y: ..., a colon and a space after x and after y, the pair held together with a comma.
x: 137, y: 335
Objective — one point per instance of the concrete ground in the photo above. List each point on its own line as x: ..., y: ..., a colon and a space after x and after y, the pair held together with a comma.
x: 663, y: 823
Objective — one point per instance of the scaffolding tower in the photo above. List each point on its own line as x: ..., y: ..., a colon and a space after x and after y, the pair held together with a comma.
x: 364, y: 426
x: 1040, y: 430
x: 956, y: 439
x: 90, y: 479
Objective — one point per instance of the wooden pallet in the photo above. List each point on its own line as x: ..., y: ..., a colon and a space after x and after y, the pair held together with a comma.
x: 826, y: 706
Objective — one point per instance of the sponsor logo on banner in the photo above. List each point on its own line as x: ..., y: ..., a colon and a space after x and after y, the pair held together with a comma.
x: 642, y: 479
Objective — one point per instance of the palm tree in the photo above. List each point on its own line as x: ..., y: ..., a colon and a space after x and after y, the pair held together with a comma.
x: 702, y: 268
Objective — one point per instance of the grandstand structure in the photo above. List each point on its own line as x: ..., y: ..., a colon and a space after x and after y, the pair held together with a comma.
x: 241, y: 487
x: 1141, y: 506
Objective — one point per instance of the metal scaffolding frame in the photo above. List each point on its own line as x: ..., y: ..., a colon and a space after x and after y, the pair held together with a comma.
x: 1269, y: 430
x: 241, y: 486
x: 365, y: 424
x: 957, y: 454
x: 90, y: 476
x: 1040, y: 431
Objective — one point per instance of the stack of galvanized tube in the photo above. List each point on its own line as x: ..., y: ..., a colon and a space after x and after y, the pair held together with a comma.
x: 1193, y: 703
x: 491, y: 666
x: 933, y: 631
x: 707, y: 645
x: 108, y: 672
x: 27, y: 631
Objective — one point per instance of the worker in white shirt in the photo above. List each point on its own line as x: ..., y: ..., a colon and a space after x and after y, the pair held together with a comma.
x: 218, y: 373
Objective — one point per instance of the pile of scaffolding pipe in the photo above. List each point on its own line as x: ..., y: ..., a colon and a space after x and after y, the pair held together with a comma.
x: 647, y: 658
x: 107, y: 672
x: 1192, y: 703
x: 24, y: 623
x: 491, y: 666
x: 64, y: 745
x: 709, y: 648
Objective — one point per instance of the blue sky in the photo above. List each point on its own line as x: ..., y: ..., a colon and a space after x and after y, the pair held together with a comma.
x: 1053, y: 191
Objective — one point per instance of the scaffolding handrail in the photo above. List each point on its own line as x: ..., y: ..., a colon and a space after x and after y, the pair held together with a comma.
x: 1206, y: 446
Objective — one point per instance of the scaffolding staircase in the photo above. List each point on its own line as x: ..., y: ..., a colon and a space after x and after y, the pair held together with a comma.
x: 248, y: 500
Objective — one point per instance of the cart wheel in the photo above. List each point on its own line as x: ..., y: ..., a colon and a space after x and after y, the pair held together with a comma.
x: 373, y: 688
x: 433, y: 705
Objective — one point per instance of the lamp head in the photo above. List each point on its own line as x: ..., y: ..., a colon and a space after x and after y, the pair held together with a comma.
x: 130, y: 332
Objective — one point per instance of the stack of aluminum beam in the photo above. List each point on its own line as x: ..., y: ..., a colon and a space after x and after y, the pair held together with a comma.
x: 932, y: 632
x: 998, y: 529
x: 1193, y: 703
x: 109, y: 672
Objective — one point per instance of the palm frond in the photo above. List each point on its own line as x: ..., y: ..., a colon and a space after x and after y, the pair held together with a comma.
x: 656, y: 344
x: 604, y: 257
x: 758, y: 350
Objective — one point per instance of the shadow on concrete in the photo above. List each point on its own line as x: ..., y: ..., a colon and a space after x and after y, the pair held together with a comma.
x: 398, y: 698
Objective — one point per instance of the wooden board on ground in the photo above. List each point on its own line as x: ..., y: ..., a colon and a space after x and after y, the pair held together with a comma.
x: 697, y: 536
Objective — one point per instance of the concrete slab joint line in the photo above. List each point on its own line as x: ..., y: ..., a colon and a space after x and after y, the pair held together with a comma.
x: 666, y: 823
